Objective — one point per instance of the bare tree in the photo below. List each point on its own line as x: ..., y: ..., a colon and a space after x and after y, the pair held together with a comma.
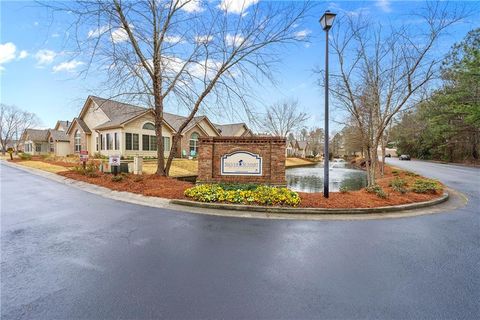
x: 190, y: 53
x: 315, y: 140
x: 13, y: 122
x: 283, y: 118
x: 382, y: 71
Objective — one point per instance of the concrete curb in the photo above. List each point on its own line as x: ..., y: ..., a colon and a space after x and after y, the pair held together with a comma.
x: 255, y: 212
x: 409, y: 206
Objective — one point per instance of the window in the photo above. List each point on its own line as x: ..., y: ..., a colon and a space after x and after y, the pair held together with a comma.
x: 148, y: 126
x: 52, y: 147
x: 194, y: 144
x: 145, y: 143
x: 96, y: 141
x: 149, y: 143
x: 109, y: 141
x: 38, y: 148
x: 135, y: 141
x: 166, y: 143
x: 101, y: 142
x: 78, y: 140
x: 117, y: 141
x: 131, y: 141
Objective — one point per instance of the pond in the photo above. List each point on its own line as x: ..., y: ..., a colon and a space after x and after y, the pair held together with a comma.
x: 310, y: 179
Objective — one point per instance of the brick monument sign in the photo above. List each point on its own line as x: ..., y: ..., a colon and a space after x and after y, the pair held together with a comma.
x: 242, y: 160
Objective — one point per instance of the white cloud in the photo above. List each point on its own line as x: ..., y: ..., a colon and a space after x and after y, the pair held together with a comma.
x: 173, y: 39
x: 384, y: 5
x: 55, y: 35
x: 119, y: 35
x: 236, y: 6
x: 302, y: 34
x: 69, y: 66
x: 234, y: 40
x: 23, y: 54
x: 191, y: 5
x: 95, y: 33
x: 7, y: 52
x: 45, y: 56
x: 203, y: 39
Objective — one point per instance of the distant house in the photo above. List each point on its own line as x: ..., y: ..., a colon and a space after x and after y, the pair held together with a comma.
x: 291, y: 148
x: 301, y: 151
x: 58, y: 140
x: 35, y: 141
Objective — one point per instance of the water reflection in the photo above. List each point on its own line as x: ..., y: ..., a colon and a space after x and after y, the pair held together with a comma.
x: 310, y: 179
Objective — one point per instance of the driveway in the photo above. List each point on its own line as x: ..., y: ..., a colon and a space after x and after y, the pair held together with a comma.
x: 70, y: 254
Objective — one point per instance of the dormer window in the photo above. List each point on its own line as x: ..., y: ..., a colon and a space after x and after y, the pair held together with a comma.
x: 148, y: 126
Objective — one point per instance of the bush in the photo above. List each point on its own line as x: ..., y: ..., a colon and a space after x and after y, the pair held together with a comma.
x: 425, y: 186
x: 411, y: 174
x: 395, y: 172
x: 344, y: 189
x: 25, y: 156
x: 238, y: 186
x: 117, y: 178
x: 91, y: 169
x: 377, y: 190
x: 398, y: 185
x: 263, y: 195
x: 98, y: 155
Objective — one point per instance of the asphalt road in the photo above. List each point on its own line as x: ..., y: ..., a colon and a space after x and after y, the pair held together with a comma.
x: 69, y: 254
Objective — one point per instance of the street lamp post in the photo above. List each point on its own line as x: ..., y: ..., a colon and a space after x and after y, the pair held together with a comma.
x: 326, y: 21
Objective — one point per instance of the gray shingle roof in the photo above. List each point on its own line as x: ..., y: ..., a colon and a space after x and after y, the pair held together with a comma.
x: 229, y: 129
x: 58, y: 135
x: 176, y: 121
x: 36, y: 134
x: 63, y: 125
x: 83, y: 125
x: 117, y: 112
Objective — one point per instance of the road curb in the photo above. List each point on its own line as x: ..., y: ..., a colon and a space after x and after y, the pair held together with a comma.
x: 255, y: 212
x: 350, y: 211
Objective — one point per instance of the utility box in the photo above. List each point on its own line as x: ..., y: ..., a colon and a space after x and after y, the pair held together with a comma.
x: 137, y: 165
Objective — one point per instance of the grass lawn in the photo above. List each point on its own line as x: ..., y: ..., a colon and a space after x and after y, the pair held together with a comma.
x: 43, y: 166
x: 293, y: 162
x: 180, y: 167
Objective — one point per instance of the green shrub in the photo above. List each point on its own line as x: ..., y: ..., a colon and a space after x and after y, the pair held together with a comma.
x: 25, y: 156
x: 238, y: 186
x: 91, y: 169
x: 399, y: 185
x: 377, y: 190
x: 117, y: 178
x: 263, y: 195
x: 98, y: 155
x: 425, y: 186
x: 395, y: 172
x: 411, y: 174
x: 344, y: 189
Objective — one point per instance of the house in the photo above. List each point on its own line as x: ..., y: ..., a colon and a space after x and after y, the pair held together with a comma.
x: 110, y: 127
x: 35, y: 141
x: 291, y: 148
x: 301, y: 149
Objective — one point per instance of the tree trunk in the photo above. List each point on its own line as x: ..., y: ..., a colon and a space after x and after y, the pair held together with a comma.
x: 158, y: 132
x: 382, y: 166
x: 173, y: 152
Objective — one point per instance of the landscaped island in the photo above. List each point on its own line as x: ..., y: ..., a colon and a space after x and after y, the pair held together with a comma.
x: 394, y: 188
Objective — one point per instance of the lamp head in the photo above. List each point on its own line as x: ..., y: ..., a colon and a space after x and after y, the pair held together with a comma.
x: 327, y: 20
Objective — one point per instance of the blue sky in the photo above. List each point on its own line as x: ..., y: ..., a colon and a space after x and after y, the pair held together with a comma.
x: 37, y: 72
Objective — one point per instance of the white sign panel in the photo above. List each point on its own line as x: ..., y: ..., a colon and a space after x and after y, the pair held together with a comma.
x: 241, y: 163
x: 114, y: 160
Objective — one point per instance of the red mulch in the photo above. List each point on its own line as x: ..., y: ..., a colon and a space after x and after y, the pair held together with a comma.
x: 148, y: 185
x: 170, y: 188
x: 363, y: 199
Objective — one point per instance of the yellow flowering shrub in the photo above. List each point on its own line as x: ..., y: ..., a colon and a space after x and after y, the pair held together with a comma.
x: 263, y: 195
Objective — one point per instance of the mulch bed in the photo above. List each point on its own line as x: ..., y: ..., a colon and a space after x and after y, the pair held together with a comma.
x: 148, y: 185
x: 170, y: 188
x: 363, y: 199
